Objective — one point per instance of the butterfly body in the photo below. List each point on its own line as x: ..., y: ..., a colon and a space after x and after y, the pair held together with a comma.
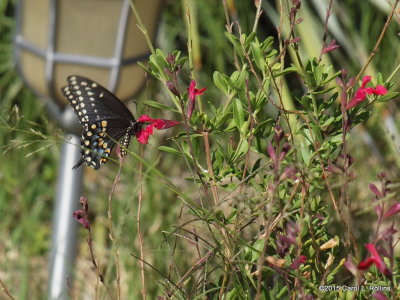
x: 105, y: 120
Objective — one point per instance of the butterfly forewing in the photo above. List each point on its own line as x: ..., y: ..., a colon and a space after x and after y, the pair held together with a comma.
x: 105, y: 119
x: 92, y: 102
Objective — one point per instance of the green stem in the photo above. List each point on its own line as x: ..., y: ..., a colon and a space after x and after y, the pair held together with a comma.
x: 193, y: 43
x: 142, y: 28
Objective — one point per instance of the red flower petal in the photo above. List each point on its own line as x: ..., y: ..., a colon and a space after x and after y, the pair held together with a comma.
x: 380, y: 90
x: 377, y: 259
x: 363, y: 91
x: 271, y: 151
x: 144, y: 119
x: 298, y: 261
x: 193, y: 92
x: 365, y: 80
x: 394, y: 209
x: 143, y: 134
x: 360, y: 96
x: 164, y: 124
x: 332, y: 46
x: 150, y: 129
x: 374, y: 259
x: 190, y: 108
x: 374, y: 254
x: 81, y: 217
x: 365, y: 264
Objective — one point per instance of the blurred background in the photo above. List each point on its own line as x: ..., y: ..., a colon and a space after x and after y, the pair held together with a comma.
x: 30, y: 152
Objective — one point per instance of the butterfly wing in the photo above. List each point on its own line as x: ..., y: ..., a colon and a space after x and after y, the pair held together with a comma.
x: 98, y: 140
x: 92, y: 102
x: 105, y: 119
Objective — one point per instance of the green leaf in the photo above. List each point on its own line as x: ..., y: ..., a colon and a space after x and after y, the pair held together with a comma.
x: 221, y: 118
x: 286, y: 71
x: 257, y: 55
x: 257, y: 249
x: 238, y: 113
x: 388, y: 96
x: 240, y: 150
x: 267, y: 43
x: 158, y: 105
x: 158, y: 60
x: 305, y: 153
x: 236, y: 43
x: 169, y: 150
x: 317, y: 132
x: 238, y: 78
x: 222, y: 82
x: 325, y: 91
x: 249, y: 39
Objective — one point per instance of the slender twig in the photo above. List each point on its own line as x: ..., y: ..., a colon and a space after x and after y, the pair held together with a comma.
x: 111, y: 233
x: 228, y: 27
x: 266, y: 224
x: 70, y: 289
x: 5, y: 290
x: 209, y: 167
x: 258, y: 14
x: 100, y: 277
x: 189, y: 142
x: 193, y: 43
x: 328, y: 185
x: 325, y: 36
x: 378, y: 42
x: 158, y: 272
x: 139, y: 234
x: 344, y: 197
x: 250, y: 138
x: 195, y: 266
x: 142, y: 28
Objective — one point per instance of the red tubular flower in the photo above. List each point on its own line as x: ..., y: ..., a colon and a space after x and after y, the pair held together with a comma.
x: 362, y: 92
x: 143, y: 134
x: 298, y: 261
x: 193, y: 92
x: 374, y: 259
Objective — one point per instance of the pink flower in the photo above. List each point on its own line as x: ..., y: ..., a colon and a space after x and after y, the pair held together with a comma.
x: 362, y: 92
x: 193, y: 92
x: 143, y: 134
x: 332, y: 46
x: 374, y: 259
x: 394, y: 209
x: 350, y: 266
x: 379, y: 295
x: 81, y: 215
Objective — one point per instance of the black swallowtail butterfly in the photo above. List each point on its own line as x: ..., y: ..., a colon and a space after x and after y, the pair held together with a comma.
x: 105, y: 120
